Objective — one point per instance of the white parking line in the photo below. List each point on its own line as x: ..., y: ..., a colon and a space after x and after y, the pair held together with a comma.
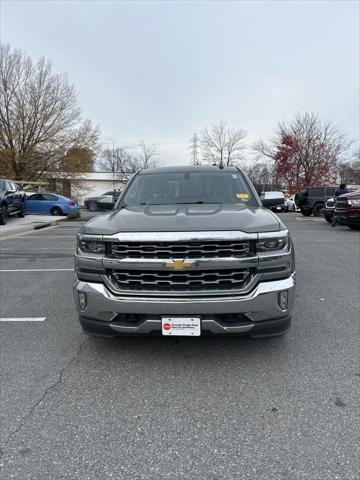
x: 43, y: 236
x: 41, y: 270
x: 23, y: 319
x: 40, y: 248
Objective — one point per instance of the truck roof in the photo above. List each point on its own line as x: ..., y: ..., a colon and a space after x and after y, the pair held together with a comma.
x: 186, y: 168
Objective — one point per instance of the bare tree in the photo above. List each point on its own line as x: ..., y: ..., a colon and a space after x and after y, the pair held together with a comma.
x: 194, y: 149
x: 121, y: 164
x: 305, y: 151
x: 262, y: 175
x: 116, y: 161
x: 221, y: 145
x: 145, y: 157
x: 349, y: 172
x: 39, y: 117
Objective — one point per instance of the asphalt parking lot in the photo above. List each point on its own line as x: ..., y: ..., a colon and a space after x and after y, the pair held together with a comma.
x: 207, y: 408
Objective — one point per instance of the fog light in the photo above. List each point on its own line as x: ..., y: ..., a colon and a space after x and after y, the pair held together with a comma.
x: 82, y: 300
x: 283, y: 300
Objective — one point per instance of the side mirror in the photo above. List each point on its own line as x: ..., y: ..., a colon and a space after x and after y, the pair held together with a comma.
x: 106, y: 203
x: 11, y: 192
x: 272, y: 202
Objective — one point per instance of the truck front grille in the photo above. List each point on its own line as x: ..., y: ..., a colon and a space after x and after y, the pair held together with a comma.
x: 184, y: 281
x: 341, y: 203
x: 166, y: 250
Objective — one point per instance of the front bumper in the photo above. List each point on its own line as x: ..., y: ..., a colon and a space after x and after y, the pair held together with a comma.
x: 256, y: 313
x: 350, y: 216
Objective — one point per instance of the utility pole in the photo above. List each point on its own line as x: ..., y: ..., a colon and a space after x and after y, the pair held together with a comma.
x: 113, y: 164
x: 194, y: 149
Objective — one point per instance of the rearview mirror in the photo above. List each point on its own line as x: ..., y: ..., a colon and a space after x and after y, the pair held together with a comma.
x: 272, y: 202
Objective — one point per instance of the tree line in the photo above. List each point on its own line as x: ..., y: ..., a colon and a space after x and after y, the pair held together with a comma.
x: 303, y: 151
x: 42, y: 131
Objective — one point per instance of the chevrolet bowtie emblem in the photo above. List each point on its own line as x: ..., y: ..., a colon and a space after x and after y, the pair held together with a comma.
x: 179, y: 264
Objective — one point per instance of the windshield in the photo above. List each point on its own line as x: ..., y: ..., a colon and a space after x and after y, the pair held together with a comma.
x: 189, y: 188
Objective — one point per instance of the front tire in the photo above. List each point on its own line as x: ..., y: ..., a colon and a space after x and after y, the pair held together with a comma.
x: 3, y: 214
x: 306, y: 213
x: 56, y: 211
x: 354, y: 227
x: 317, y: 209
x: 93, y: 207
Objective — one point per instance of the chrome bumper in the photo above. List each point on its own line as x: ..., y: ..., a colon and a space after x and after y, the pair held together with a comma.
x: 260, y: 305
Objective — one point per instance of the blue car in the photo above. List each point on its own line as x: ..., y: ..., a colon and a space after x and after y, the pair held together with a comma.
x: 50, y: 203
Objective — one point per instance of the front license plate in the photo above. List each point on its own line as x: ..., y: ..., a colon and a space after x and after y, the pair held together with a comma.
x: 181, y: 326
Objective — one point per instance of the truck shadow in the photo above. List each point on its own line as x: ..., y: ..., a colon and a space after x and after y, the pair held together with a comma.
x: 208, y: 348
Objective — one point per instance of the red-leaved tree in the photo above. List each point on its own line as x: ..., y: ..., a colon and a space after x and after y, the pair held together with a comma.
x: 305, y: 152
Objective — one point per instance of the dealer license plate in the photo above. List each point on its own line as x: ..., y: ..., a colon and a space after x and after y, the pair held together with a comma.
x: 181, y: 326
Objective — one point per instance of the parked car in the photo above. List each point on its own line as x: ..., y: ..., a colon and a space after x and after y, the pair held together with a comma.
x: 275, y: 208
x: 347, y: 210
x: 290, y: 204
x: 91, y: 202
x: 186, y: 251
x: 50, y: 203
x: 12, y: 200
x: 329, y: 210
x: 311, y: 200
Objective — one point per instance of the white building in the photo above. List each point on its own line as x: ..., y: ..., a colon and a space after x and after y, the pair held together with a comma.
x: 82, y: 185
x: 94, y: 184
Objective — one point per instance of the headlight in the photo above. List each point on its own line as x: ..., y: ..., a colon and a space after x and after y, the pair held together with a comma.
x: 90, y: 246
x: 273, y: 244
x: 354, y: 203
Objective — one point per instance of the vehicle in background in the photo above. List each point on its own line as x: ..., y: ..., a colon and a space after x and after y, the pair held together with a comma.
x: 311, y: 200
x: 282, y: 207
x: 290, y: 204
x: 186, y: 251
x: 347, y: 210
x: 329, y: 210
x: 50, y: 203
x: 91, y: 203
x: 12, y: 200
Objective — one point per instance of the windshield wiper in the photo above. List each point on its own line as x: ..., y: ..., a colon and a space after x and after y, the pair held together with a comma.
x: 196, y: 203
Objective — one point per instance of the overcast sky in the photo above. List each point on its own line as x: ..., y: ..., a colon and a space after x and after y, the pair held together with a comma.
x: 164, y: 70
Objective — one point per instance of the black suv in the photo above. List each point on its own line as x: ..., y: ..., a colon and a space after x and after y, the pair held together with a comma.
x: 12, y: 200
x: 311, y: 200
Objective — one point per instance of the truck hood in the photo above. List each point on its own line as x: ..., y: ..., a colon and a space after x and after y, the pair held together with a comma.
x: 184, y: 218
x: 352, y: 195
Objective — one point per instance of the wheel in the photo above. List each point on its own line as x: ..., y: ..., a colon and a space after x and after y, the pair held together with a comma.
x: 56, y: 211
x: 317, y: 209
x: 306, y: 213
x: 3, y: 214
x: 93, y: 207
x: 299, y: 198
x: 328, y: 219
x: 354, y: 227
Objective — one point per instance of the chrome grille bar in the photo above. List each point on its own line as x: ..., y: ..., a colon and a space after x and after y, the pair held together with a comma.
x: 165, y: 250
x: 197, y: 280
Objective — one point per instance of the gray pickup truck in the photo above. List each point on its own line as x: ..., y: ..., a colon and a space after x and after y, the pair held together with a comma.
x: 186, y: 251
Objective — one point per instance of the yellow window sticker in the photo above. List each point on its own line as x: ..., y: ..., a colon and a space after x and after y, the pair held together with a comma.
x: 243, y: 196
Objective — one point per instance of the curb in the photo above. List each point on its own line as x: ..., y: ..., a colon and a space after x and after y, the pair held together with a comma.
x: 30, y: 228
